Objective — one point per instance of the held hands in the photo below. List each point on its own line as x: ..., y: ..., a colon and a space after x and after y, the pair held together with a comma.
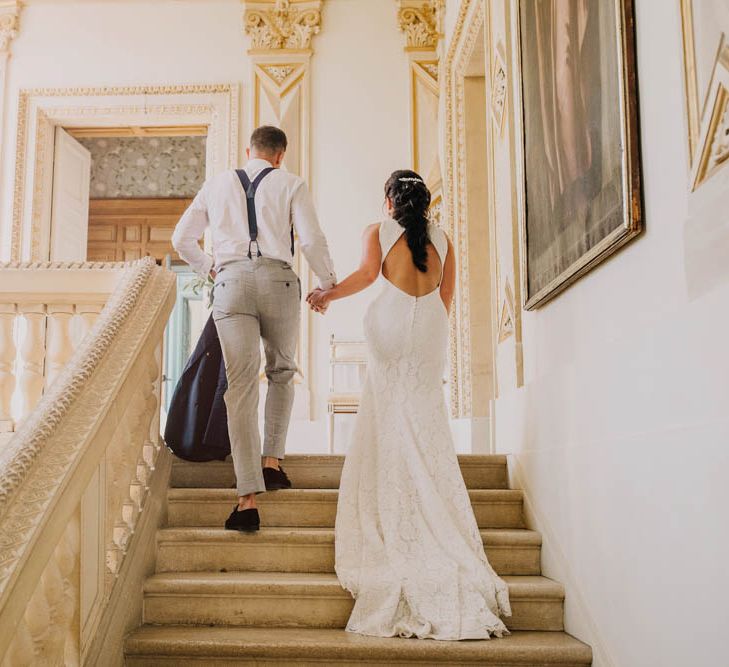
x: 319, y: 300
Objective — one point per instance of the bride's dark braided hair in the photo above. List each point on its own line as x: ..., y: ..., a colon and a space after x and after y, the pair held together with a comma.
x: 410, y: 199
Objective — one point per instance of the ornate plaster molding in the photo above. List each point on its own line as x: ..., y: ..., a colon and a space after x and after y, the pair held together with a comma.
x: 498, y: 90
x: 420, y: 20
x: 720, y: 141
x: 40, y: 109
x: 506, y: 316
x: 713, y: 138
x: 279, y: 73
x: 9, y: 23
x: 111, y: 266
x: 431, y: 69
x: 275, y: 25
x: 465, y: 33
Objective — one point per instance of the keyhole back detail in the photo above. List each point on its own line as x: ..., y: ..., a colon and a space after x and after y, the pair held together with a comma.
x: 398, y: 267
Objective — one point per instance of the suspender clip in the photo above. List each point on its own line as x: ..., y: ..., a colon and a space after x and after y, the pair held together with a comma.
x: 258, y: 250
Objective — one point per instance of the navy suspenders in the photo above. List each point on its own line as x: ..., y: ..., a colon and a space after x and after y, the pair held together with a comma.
x: 250, y: 190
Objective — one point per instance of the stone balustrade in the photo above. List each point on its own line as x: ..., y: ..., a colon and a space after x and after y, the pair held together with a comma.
x: 83, y: 473
x: 46, y: 310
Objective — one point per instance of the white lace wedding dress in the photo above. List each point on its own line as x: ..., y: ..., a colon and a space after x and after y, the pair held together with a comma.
x: 407, y: 544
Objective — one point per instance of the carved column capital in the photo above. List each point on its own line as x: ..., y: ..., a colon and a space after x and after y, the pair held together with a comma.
x: 281, y: 25
x: 420, y: 20
x: 9, y: 23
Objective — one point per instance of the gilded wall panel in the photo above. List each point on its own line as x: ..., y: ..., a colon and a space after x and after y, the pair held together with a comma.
x: 281, y: 35
x: 706, y: 73
x: 705, y: 25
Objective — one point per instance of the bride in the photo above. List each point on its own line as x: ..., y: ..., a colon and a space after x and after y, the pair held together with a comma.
x: 407, y: 544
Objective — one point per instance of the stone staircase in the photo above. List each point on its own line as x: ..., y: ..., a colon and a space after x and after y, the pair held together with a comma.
x: 225, y: 598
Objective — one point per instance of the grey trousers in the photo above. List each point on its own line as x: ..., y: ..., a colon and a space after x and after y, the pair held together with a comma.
x: 253, y: 300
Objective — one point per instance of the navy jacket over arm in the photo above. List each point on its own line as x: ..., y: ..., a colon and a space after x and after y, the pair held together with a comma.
x: 197, y: 422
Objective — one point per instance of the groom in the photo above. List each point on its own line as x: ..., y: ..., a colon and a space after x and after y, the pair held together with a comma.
x: 252, y: 214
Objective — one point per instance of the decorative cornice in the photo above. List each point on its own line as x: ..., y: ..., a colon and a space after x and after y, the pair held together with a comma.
x: 9, y: 13
x: 112, y: 266
x: 104, y: 91
x: 275, y: 25
x: 420, y: 20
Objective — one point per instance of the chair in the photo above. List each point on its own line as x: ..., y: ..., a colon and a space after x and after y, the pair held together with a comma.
x: 347, y: 367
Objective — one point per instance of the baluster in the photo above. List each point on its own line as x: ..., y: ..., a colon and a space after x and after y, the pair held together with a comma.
x: 7, y: 362
x: 59, y: 346
x: 154, y: 426
x: 145, y: 465
x: 88, y: 313
x: 48, y: 632
x: 32, y: 355
x: 137, y: 422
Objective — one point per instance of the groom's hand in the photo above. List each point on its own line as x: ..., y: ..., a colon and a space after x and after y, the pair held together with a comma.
x: 317, y: 301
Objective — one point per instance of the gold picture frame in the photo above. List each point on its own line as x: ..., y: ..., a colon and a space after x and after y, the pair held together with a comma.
x: 570, y: 226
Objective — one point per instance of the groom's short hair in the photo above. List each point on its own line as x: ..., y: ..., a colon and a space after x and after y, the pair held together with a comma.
x: 268, y: 139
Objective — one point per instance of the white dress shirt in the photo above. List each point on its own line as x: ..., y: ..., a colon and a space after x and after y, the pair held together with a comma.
x: 282, y: 199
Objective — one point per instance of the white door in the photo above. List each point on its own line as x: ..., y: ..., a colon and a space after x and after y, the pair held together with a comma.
x: 70, y: 207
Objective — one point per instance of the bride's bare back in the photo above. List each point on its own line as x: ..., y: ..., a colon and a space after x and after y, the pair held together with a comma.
x: 401, y: 271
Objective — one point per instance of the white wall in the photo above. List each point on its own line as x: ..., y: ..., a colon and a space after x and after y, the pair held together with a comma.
x: 359, y: 126
x: 360, y: 132
x: 620, y: 435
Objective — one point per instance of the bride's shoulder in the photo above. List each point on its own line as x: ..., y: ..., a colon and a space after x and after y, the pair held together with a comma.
x: 437, y: 230
x: 372, y: 231
x: 375, y: 228
x: 439, y: 236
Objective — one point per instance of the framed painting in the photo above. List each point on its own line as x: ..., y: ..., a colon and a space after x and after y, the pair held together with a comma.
x: 581, y: 161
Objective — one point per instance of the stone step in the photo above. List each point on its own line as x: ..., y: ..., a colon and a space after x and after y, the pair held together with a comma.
x: 161, y: 646
x: 315, y: 471
x: 494, y: 508
x: 263, y: 599
x: 510, y: 551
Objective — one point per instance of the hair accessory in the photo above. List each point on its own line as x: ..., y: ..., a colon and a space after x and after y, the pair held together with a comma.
x: 409, y: 180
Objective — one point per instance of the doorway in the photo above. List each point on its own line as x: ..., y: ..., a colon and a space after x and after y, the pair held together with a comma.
x: 117, y: 195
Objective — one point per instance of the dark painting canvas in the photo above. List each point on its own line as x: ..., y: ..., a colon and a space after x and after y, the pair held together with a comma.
x: 580, y: 141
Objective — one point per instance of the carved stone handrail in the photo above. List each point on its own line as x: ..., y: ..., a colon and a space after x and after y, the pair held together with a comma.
x: 25, y: 445
x: 79, y: 468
